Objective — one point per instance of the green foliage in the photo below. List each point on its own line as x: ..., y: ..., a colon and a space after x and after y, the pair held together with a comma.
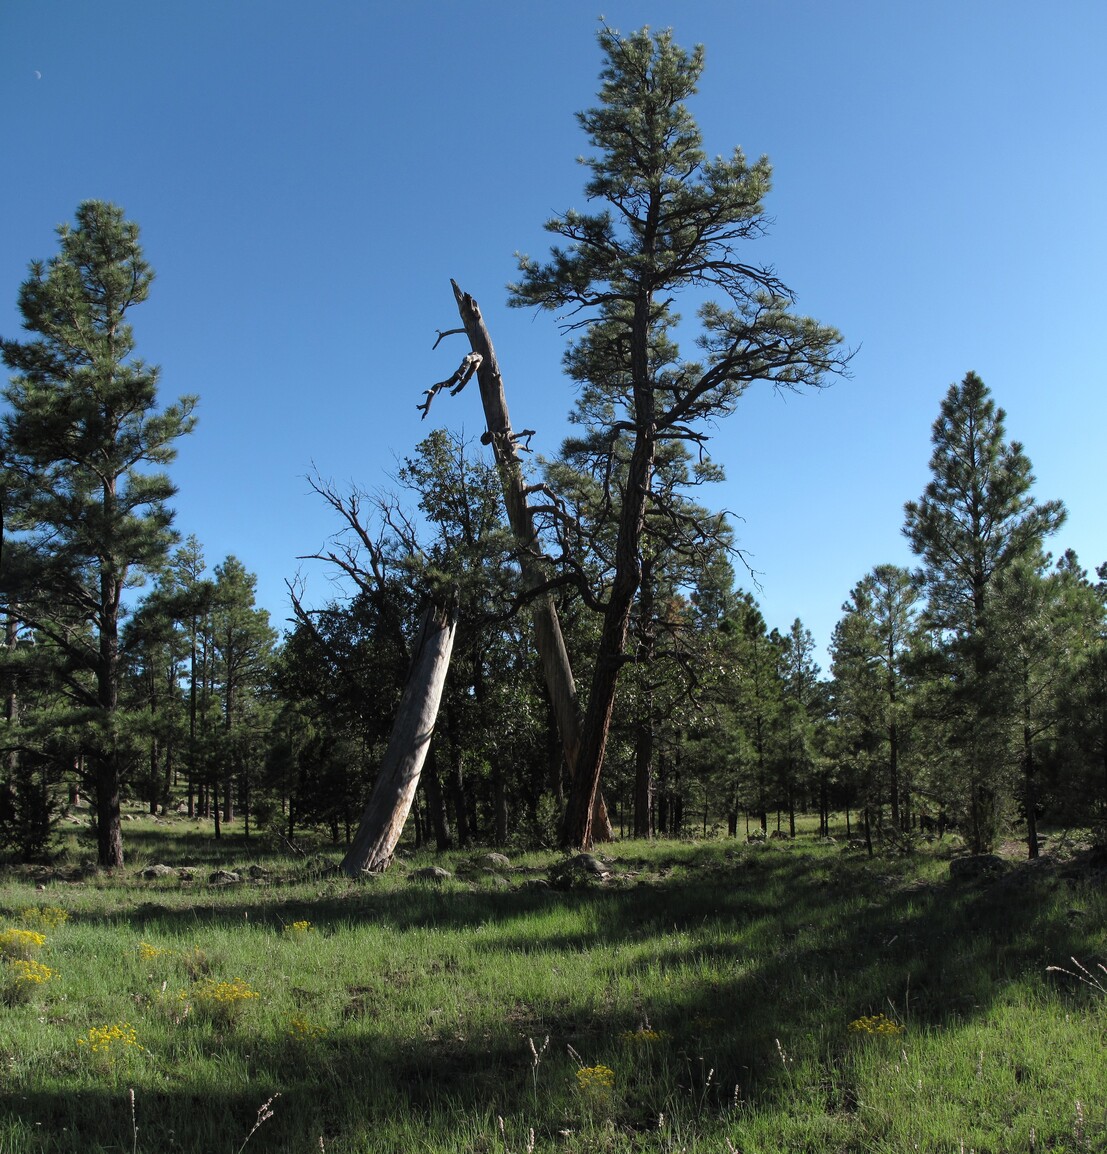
x: 871, y: 652
x: 670, y: 220
x: 975, y: 523
x: 82, y: 443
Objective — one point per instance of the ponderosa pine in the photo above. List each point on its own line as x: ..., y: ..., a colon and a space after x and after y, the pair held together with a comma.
x: 83, y: 444
x: 670, y: 220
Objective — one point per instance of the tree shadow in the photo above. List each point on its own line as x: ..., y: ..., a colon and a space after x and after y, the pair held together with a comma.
x: 751, y: 966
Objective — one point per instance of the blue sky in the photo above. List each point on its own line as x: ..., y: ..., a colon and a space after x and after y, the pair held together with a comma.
x: 308, y: 178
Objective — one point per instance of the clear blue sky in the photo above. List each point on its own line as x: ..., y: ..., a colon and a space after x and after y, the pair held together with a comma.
x: 308, y: 178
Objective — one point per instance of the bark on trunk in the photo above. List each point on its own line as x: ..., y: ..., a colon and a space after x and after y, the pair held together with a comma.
x: 436, y: 804
x: 643, y: 779
x: 547, y: 628
x: 109, y: 775
x: 109, y: 824
x: 390, y: 802
x: 579, y: 828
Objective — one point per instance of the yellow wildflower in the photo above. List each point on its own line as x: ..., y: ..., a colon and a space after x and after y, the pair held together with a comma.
x: 110, y: 1042
x: 49, y: 917
x: 28, y: 971
x: 20, y: 943
x: 300, y: 1027
x: 646, y: 1036
x: 218, y: 1001
x: 875, y: 1024
x: 595, y: 1079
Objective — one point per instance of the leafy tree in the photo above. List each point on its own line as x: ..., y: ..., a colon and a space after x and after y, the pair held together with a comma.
x: 338, y: 678
x: 191, y: 595
x: 683, y: 547
x: 671, y: 221
x: 78, y: 441
x: 399, y: 561
x: 976, y: 520
x: 470, y: 551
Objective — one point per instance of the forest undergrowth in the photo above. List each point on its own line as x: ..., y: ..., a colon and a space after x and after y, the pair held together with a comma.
x: 705, y: 996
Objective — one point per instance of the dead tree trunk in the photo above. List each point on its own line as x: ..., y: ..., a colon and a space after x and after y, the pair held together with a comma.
x: 547, y: 628
x: 390, y: 802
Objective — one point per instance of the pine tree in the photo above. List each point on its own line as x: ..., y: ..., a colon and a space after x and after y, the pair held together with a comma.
x: 869, y: 652
x: 671, y: 221
x: 242, y: 643
x: 975, y: 520
x: 78, y: 440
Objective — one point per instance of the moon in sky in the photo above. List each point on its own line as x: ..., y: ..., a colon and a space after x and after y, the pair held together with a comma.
x: 38, y: 75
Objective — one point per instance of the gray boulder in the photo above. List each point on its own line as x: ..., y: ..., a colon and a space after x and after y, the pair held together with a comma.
x: 583, y: 869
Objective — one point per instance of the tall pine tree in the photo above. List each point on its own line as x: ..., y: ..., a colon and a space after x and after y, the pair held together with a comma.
x: 975, y: 520
x: 80, y: 435
x: 670, y: 220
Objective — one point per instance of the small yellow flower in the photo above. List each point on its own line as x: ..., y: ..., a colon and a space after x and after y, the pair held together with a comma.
x: 875, y: 1024
x: 300, y: 1027
x: 218, y: 1001
x: 595, y: 1080
x: 298, y: 929
x: 148, y: 952
x: 26, y: 970
x: 49, y: 917
x: 22, y: 978
x: 20, y: 943
x: 212, y: 990
x: 646, y: 1036
x: 111, y: 1042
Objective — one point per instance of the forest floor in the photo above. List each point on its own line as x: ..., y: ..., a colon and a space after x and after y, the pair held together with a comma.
x: 711, y: 995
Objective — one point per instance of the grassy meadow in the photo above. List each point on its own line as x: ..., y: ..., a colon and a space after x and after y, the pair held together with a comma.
x: 709, y: 996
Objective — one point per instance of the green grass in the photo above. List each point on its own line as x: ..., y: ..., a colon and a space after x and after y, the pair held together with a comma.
x: 715, y: 980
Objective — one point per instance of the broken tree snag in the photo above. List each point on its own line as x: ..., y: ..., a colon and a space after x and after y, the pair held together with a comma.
x: 505, y: 447
x: 390, y: 802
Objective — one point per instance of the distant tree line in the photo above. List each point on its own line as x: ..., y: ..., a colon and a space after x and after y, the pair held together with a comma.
x: 967, y: 693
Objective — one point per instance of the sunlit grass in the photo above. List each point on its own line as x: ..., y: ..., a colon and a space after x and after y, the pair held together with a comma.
x: 716, y: 982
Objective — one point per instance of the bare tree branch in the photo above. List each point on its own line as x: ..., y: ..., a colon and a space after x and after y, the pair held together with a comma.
x: 463, y: 375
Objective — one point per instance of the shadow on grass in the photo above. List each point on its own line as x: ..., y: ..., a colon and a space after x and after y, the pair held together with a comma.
x: 755, y: 963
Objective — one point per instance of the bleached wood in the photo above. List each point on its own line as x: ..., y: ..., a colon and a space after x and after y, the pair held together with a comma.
x: 394, y: 791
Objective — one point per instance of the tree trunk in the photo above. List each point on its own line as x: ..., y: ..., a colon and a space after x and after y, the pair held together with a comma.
x: 499, y: 802
x: 456, y: 781
x: 547, y: 627
x: 436, y: 804
x: 643, y: 778
x: 390, y: 802
x: 1030, y: 794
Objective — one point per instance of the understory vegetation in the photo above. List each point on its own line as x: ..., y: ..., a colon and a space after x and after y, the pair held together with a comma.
x: 776, y: 995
